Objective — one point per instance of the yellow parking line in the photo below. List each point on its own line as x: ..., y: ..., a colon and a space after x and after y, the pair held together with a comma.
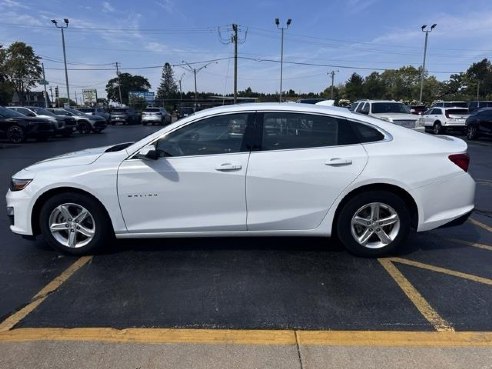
x: 417, y: 299
x: 15, y: 318
x: 473, y: 244
x: 433, y: 268
x: 251, y: 337
x: 480, y: 224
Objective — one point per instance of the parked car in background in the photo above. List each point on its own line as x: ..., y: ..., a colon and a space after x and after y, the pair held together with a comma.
x: 479, y: 123
x: 185, y: 111
x: 96, y: 111
x: 251, y: 170
x: 388, y: 110
x: 440, y: 120
x: 64, y: 126
x: 449, y: 104
x: 17, y: 127
x: 475, y: 105
x: 417, y: 109
x: 124, y: 115
x: 156, y: 115
x: 85, y: 123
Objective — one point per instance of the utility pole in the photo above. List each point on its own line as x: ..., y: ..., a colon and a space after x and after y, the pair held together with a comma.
x: 45, y: 92
x: 119, y: 82
x: 51, y: 93
x: 332, y: 73
x: 234, y: 39
x: 180, y: 89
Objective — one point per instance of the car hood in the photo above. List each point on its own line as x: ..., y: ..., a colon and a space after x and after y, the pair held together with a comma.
x: 83, y: 157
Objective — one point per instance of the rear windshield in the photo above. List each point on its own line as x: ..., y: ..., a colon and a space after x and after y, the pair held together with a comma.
x: 389, y: 108
x: 119, y: 110
x: 457, y: 111
x: 152, y: 110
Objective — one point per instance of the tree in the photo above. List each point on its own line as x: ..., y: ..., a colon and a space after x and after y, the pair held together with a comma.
x: 128, y: 83
x: 168, y: 89
x: 354, y: 87
x: 6, y: 88
x: 21, y: 68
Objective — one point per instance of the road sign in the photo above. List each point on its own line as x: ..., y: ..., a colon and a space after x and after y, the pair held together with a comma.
x: 148, y: 96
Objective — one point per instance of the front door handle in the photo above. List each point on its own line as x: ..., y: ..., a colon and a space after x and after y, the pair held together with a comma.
x: 338, y: 162
x: 226, y: 167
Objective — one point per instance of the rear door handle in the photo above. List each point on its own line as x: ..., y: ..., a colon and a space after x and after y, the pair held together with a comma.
x: 225, y: 167
x: 338, y: 162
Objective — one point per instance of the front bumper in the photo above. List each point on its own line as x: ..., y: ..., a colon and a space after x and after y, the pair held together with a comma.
x: 19, y: 211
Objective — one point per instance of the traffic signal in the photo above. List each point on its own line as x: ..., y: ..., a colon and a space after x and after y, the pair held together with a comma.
x: 56, y: 92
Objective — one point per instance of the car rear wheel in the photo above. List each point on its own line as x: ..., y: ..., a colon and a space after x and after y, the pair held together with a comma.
x: 15, y: 134
x: 373, y: 223
x: 437, y: 128
x: 471, y: 132
x: 75, y: 223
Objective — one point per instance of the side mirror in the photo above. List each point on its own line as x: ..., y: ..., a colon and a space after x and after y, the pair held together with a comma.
x: 31, y: 114
x: 148, y: 152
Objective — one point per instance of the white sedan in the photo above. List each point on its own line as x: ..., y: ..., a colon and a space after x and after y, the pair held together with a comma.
x: 250, y: 170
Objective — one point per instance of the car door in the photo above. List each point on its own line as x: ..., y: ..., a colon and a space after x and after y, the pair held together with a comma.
x: 305, y: 162
x: 197, y: 184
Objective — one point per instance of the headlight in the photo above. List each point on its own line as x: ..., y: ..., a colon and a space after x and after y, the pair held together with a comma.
x: 19, y: 184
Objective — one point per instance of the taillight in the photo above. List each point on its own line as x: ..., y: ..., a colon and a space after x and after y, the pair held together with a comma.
x: 461, y: 160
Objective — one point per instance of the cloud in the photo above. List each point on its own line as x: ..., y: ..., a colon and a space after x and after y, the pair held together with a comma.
x: 107, y: 7
x: 12, y: 4
x: 167, y: 5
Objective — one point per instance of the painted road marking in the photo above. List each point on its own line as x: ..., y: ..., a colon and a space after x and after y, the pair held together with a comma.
x: 473, y: 244
x: 417, y: 299
x: 480, y: 224
x: 437, y: 269
x: 15, y: 318
x: 252, y: 337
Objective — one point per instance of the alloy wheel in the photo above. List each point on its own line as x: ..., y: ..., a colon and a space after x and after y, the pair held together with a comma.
x: 72, y: 225
x: 375, y: 225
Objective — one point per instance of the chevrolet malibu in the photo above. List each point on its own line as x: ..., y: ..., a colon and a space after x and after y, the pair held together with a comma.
x: 250, y: 170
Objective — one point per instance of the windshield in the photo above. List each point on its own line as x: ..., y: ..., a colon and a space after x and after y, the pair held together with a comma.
x: 7, y: 113
x: 74, y: 111
x: 390, y: 107
x: 42, y: 111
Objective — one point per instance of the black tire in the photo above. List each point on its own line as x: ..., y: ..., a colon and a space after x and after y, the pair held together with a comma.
x: 437, y: 128
x: 471, y: 132
x: 361, y: 204
x: 15, y: 134
x: 96, y: 222
x: 84, y: 127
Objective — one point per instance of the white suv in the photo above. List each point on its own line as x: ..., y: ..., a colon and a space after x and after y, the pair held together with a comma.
x: 438, y: 119
x: 389, y: 110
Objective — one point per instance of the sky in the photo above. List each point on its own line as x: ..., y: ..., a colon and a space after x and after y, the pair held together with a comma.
x: 344, y: 36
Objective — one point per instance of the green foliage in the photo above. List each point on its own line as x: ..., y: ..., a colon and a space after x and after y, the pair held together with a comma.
x: 20, y: 70
x: 128, y: 83
x: 168, y: 89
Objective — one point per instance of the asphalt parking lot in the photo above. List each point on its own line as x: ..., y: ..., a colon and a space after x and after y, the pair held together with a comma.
x: 441, y: 281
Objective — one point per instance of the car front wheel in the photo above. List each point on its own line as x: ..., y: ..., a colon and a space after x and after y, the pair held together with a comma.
x: 75, y: 223
x: 15, y: 134
x: 437, y: 128
x: 373, y: 223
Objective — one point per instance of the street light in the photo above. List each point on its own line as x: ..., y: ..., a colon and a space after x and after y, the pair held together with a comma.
x: 277, y: 22
x: 427, y: 31
x: 64, y: 53
x: 195, y: 72
x: 180, y: 89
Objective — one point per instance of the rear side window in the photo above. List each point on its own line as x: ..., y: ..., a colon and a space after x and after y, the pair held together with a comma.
x: 365, y: 133
x: 298, y: 131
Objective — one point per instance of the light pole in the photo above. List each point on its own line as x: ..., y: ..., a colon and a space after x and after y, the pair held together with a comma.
x: 64, y: 53
x: 277, y: 22
x: 195, y: 72
x: 427, y: 31
x: 180, y: 89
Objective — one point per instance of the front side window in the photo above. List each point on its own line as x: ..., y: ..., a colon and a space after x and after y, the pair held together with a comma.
x: 222, y: 134
x: 297, y: 130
